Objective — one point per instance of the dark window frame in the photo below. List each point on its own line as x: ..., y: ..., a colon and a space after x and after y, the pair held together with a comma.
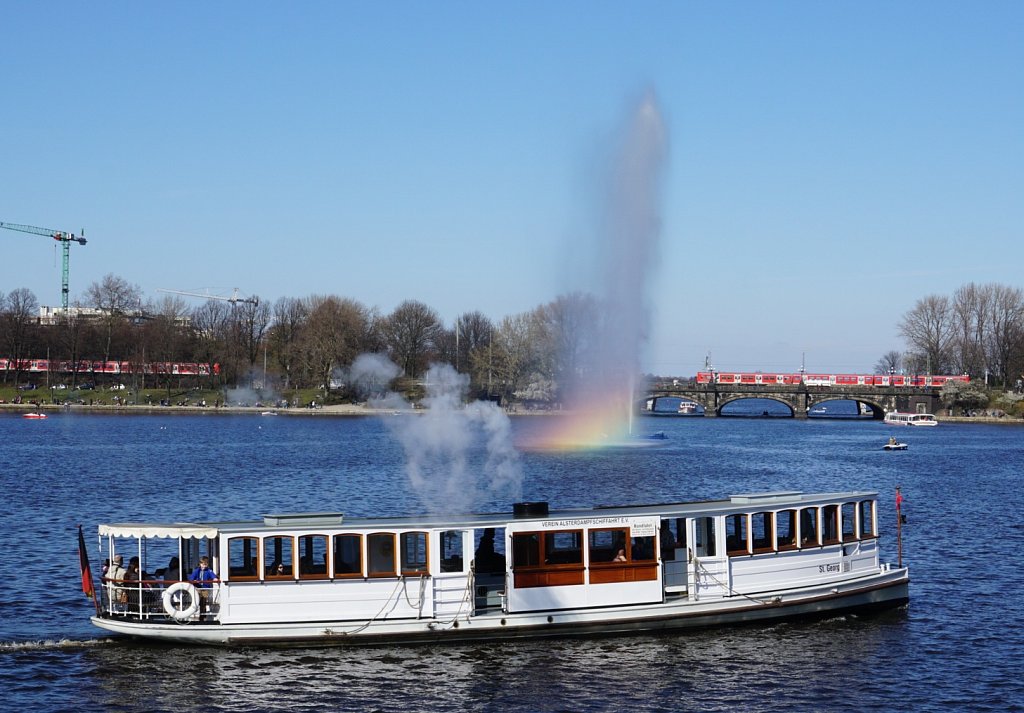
x: 791, y: 543
x: 737, y: 535
x: 313, y: 575
x: 337, y: 561
x: 371, y: 540
x: 287, y: 558
x: 424, y: 540
x: 254, y: 544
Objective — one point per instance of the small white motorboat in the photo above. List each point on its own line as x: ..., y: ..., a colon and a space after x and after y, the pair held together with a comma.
x: 891, y: 446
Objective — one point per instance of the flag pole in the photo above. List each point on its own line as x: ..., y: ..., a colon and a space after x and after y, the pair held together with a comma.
x: 87, y: 584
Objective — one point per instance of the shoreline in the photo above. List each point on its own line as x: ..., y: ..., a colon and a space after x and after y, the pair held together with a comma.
x: 344, y: 410
x: 148, y: 410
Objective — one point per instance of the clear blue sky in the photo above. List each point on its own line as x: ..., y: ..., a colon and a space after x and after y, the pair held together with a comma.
x: 831, y: 163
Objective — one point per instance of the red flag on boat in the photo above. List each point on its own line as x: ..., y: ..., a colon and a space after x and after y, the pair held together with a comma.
x: 899, y: 499
x: 83, y: 557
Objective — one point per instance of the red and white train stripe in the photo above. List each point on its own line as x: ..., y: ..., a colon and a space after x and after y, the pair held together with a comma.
x: 757, y: 377
x: 39, y: 366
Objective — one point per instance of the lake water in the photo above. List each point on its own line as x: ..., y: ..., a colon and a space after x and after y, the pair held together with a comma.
x: 958, y: 645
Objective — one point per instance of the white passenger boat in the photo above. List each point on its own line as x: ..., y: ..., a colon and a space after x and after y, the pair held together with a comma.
x: 895, y: 418
x: 323, y: 578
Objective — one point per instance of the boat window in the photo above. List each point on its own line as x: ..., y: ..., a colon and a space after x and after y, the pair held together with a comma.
x: 414, y: 552
x: 867, y: 518
x: 243, y: 558
x: 548, y: 559
x: 641, y: 549
x: 348, y: 555
x: 489, y: 553
x: 830, y: 524
x: 563, y: 547
x: 809, y: 527
x: 278, y: 557
x: 525, y: 549
x: 451, y: 551
x: 380, y: 547
x: 761, y: 527
x: 313, y: 557
x: 705, y: 536
x: 604, y: 546
x: 673, y: 536
x: 849, y: 517
x: 785, y: 529
x: 736, y: 535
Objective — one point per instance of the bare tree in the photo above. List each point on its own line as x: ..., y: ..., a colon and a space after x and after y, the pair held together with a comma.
x: 334, y: 335
x: 69, y: 335
x: 573, y: 325
x: 889, y: 363
x: 475, y: 332
x: 163, y: 338
x: 291, y: 316
x: 1005, y: 330
x: 116, y: 298
x: 213, y: 324
x: 252, y: 319
x: 410, y: 333
x: 928, y: 329
x: 518, y: 356
x: 19, y: 320
x: 970, y: 307
x: 446, y: 347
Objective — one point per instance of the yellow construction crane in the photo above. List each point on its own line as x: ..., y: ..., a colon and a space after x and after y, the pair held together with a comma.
x: 59, y: 235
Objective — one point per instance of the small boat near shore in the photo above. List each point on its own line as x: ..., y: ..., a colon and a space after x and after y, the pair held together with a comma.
x: 34, y: 415
x: 895, y: 446
x: 323, y: 578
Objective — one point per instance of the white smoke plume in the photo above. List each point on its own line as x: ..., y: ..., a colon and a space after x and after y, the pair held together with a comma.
x: 458, y: 457
x: 370, y: 377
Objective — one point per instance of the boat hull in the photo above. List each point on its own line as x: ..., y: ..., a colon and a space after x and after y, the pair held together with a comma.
x: 887, y: 589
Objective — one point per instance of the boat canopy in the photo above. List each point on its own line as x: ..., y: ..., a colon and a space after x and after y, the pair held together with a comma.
x: 139, y: 530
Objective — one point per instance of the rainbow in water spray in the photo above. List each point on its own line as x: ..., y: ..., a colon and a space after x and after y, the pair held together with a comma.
x: 600, y: 399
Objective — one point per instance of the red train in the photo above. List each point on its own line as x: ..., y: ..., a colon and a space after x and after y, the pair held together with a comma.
x: 38, y: 366
x: 732, y: 377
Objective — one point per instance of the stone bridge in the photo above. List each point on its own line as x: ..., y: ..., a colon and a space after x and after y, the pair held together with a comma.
x: 801, y: 398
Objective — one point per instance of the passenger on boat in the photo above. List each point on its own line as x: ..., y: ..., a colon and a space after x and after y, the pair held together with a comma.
x: 173, y: 572
x: 114, y: 574
x: 134, y: 581
x: 132, y: 574
x: 486, y: 559
x: 892, y: 440
x: 203, y: 577
x: 620, y: 556
x: 116, y: 570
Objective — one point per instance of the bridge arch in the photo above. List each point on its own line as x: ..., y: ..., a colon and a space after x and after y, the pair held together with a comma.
x: 733, y: 398
x: 800, y: 398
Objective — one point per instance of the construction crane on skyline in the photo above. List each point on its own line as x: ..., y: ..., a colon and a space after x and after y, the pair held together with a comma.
x: 65, y: 239
x: 233, y: 299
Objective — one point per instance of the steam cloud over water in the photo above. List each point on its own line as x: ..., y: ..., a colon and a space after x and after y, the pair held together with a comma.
x: 627, y: 240
x: 369, y: 376
x: 458, y: 456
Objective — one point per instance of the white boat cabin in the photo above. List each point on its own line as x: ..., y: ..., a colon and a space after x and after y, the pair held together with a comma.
x: 347, y: 574
x: 895, y: 418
